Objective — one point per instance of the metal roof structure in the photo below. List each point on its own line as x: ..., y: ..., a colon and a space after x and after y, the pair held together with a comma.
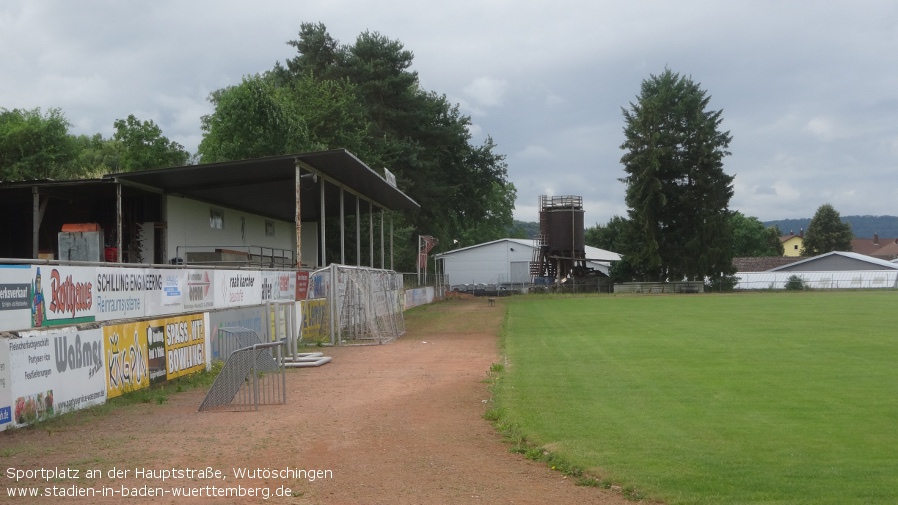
x: 267, y: 186
x: 850, y: 261
x: 592, y: 253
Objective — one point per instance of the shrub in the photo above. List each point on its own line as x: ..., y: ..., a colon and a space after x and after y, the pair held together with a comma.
x: 795, y: 283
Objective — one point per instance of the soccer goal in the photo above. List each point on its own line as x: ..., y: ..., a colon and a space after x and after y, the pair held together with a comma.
x: 364, y: 304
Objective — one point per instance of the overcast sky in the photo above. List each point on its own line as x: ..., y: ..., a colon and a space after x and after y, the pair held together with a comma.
x: 809, y: 90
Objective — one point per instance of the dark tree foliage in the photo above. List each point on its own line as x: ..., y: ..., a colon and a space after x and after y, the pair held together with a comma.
x: 34, y: 145
x: 250, y: 121
x: 751, y: 238
x: 364, y: 97
x: 826, y: 233
x: 142, y: 146
x: 677, y: 191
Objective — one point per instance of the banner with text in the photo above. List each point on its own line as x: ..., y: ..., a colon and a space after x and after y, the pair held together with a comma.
x: 55, y: 371
x: 15, y: 297
x: 62, y: 295
x: 234, y: 288
x: 200, y: 292
x: 278, y: 286
x: 5, y: 387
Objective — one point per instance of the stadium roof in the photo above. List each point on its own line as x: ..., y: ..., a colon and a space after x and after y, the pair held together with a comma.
x: 266, y: 186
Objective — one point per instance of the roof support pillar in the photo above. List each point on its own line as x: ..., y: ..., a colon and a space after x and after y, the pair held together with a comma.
x: 35, y: 222
x: 371, y: 233
x: 382, y: 258
x: 298, y: 220
x: 358, y: 233
x: 342, y: 229
x: 118, y: 221
x: 323, y: 229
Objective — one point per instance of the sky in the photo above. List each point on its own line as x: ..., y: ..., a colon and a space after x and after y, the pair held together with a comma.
x: 808, y: 90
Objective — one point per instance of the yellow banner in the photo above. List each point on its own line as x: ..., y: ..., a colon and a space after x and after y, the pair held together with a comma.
x: 153, y: 351
x: 314, y: 320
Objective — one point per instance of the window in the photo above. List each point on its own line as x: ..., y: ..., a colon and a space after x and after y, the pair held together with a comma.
x: 216, y: 219
x: 269, y: 228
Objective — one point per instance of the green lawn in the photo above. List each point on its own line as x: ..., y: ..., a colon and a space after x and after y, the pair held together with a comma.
x: 716, y: 399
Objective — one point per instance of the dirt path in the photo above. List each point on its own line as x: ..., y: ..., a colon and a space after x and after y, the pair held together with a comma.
x: 394, y: 424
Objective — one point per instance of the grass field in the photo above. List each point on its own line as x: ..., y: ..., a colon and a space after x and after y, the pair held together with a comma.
x: 786, y: 398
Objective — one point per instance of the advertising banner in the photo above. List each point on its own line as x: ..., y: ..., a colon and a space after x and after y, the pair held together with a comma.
x: 319, y: 283
x: 185, y: 345
x: 248, y: 317
x: 315, y: 323
x: 62, y: 295
x: 236, y: 288
x: 278, y: 286
x: 144, y: 352
x: 127, y: 364
x: 5, y: 387
x: 122, y: 292
x: 54, y: 372
x: 171, y: 296
x: 302, y: 285
x: 15, y: 297
x: 200, y: 291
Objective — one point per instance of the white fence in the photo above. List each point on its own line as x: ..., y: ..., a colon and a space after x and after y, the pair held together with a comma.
x: 869, y: 279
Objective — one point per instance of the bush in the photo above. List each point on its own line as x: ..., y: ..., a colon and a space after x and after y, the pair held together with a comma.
x: 795, y: 283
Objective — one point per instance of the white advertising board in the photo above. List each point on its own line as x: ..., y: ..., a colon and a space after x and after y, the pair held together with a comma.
x: 278, y: 286
x: 5, y: 387
x: 55, y: 371
x: 199, y: 293
x: 237, y: 288
x: 15, y: 297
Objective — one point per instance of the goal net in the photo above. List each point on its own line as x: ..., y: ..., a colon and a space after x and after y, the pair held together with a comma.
x: 365, y: 303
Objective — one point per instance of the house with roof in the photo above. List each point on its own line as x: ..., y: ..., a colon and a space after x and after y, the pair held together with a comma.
x: 506, y: 261
x: 792, y: 243
x: 833, y: 270
x: 882, y: 248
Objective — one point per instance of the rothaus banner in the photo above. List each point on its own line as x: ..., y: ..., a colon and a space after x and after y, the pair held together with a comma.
x: 15, y: 297
x: 237, y: 288
x: 62, y: 295
x: 55, y: 371
x: 5, y: 387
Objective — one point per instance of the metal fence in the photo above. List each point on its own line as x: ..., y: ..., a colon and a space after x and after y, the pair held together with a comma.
x: 253, y: 375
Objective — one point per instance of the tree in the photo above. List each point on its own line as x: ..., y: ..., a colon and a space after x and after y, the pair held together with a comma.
x: 751, y: 238
x: 826, y: 233
x: 364, y: 97
x: 677, y: 191
x: 35, y: 145
x: 617, y: 235
x: 251, y: 120
x: 142, y: 146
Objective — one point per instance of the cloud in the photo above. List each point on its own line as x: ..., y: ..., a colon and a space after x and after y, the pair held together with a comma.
x: 487, y: 91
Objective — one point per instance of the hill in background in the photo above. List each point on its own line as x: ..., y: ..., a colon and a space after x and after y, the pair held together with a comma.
x: 861, y: 226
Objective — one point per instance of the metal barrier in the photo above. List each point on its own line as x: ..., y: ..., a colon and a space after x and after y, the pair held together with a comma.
x: 250, y: 377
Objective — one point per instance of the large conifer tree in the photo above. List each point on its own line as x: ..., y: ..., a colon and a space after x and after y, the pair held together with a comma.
x: 677, y: 191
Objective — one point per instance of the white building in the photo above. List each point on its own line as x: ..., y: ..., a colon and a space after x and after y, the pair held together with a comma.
x: 505, y: 261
